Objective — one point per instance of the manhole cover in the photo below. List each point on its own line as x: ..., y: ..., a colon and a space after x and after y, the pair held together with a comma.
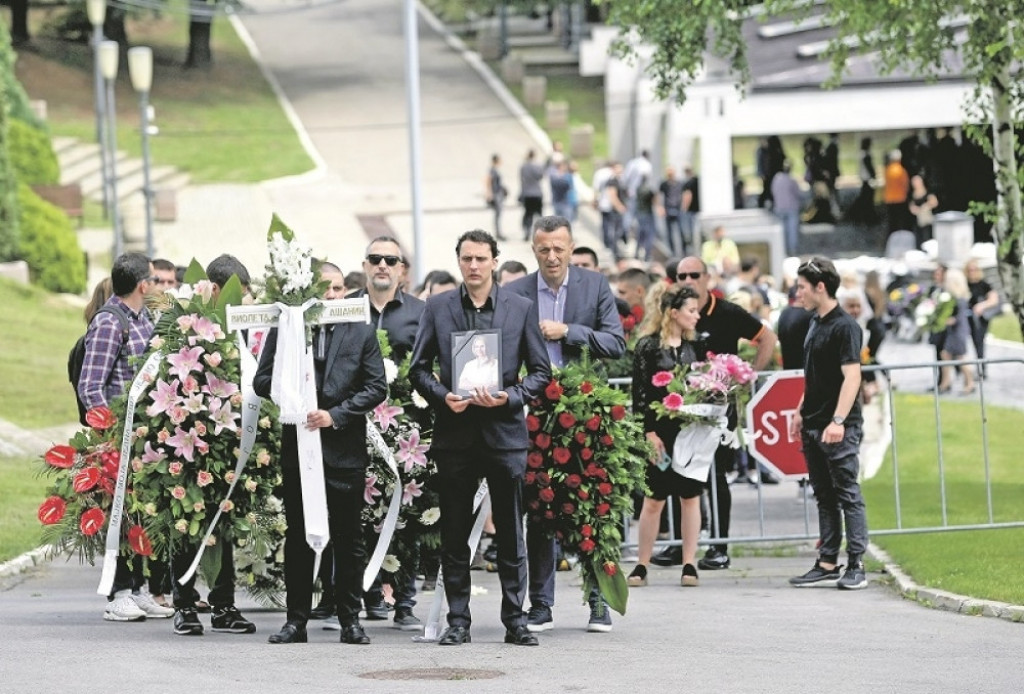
x: 437, y: 673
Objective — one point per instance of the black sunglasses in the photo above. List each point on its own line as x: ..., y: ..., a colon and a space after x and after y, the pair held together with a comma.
x: 810, y: 267
x: 391, y: 260
x: 691, y: 275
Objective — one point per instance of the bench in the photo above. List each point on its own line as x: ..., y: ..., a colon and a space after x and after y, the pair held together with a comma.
x: 67, y: 197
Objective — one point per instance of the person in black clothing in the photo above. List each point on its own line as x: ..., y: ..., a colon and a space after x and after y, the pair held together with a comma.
x: 794, y: 321
x: 830, y: 426
x: 671, y: 342
x: 984, y: 303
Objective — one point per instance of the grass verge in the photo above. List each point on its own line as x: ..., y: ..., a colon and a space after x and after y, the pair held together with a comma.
x: 39, y: 331
x: 23, y: 491
x: 977, y: 563
x: 1005, y: 327
x: 220, y: 124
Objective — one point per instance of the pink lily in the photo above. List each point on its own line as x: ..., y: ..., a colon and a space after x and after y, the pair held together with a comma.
x: 165, y: 396
x: 411, y: 490
x: 371, y: 492
x: 186, y: 443
x: 185, y: 361
x: 385, y: 415
x: 411, y: 451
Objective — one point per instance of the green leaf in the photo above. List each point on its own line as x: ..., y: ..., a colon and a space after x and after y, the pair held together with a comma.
x: 230, y: 295
x: 613, y: 588
x: 277, y: 226
x: 194, y: 273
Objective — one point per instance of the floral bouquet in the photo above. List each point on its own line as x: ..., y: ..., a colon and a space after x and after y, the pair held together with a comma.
x: 903, y: 300
x: 586, y: 459
x: 187, y: 434
x: 932, y: 314
x: 77, y: 506
x: 402, y: 420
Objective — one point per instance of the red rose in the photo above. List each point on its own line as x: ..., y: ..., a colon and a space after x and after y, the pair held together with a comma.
x: 628, y: 323
x: 600, y: 473
x: 618, y: 412
x: 100, y: 418
x: 573, y: 481
x: 553, y: 391
x: 138, y: 540
x: 581, y: 437
x: 587, y: 531
x: 86, y: 479
x: 586, y: 388
x: 534, y: 505
x: 587, y: 545
x: 603, y: 509
x: 91, y: 521
x: 535, y: 460
x: 549, y: 515
x: 561, y: 455
x: 51, y: 510
x: 532, y: 423
x: 607, y: 440
x: 542, y: 441
x: 530, y: 476
x: 586, y: 454
x: 566, y: 420
x: 543, y: 479
x: 107, y: 485
x: 583, y: 494
x: 637, y: 312
x: 61, y: 456
x: 547, y: 495
x: 610, y: 568
x: 568, y: 508
x: 594, y: 423
x: 605, y: 488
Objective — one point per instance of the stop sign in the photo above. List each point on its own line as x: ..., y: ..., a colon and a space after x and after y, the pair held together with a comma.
x: 769, y: 413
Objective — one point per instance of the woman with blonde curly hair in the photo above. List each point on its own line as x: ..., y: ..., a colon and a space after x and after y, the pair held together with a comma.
x: 668, y: 339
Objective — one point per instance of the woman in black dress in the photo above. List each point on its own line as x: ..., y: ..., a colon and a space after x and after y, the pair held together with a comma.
x: 668, y: 342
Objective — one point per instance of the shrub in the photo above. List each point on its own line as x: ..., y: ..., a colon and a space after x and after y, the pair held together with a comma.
x: 49, y: 245
x: 32, y: 154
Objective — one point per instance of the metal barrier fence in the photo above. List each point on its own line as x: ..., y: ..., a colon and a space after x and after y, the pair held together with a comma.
x: 773, y: 515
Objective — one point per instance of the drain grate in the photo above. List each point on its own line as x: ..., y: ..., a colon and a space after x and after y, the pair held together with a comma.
x: 437, y: 673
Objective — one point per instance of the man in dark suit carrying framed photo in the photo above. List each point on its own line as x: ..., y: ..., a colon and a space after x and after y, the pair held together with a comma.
x: 482, y: 435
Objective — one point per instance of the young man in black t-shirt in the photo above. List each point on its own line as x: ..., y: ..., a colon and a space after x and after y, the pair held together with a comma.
x: 830, y: 425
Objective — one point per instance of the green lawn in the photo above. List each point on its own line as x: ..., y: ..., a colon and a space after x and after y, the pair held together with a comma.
x: 221, y: 124
x: 1005, y: 327
x: 981, y: 564
x: 22, y: 492
x: 39, y: 331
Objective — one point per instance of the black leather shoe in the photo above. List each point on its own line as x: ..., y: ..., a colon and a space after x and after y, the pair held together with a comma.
x: 521, y: 636
x: 354, y: 634
x: 455, y: 636
x: 713, y: 560
x: 670, y: 556
x: 290, y: 633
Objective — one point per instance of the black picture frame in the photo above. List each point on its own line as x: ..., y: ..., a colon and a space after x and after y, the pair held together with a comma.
x: 472, y: 370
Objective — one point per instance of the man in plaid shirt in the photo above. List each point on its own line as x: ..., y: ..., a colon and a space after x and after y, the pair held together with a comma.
x: 106, y: 373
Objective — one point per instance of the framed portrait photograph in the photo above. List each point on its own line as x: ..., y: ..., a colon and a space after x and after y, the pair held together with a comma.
x: 476, y: 362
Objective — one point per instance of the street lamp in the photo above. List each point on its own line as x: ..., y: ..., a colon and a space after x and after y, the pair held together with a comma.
x: 140, y: 69
x: 97, y: 13
x: 109, y: 56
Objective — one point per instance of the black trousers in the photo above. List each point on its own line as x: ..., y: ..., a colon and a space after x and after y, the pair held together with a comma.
x: 459, y: 474
x: 345, y: 488
x: 222, y: 592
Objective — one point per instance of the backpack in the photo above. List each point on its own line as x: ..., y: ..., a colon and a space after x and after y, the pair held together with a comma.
x: 77, y: 355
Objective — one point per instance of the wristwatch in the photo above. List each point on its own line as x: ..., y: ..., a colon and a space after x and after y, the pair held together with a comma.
x: 838, y: 420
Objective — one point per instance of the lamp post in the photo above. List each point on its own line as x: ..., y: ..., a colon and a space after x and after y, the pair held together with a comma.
x: 140, y: 69
x: 97, y: 13
x: 109, y: 55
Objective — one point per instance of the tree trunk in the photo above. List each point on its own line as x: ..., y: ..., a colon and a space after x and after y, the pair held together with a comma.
x: 19, y: 22
x: 199, y: 28
x: 1008, y: 230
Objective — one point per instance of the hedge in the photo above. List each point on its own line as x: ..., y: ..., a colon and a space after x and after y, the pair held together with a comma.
x: 49, y: 245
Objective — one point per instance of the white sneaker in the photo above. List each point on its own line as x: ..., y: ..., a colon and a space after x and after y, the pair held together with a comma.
x: 123, y: 609
x: 147, y: 604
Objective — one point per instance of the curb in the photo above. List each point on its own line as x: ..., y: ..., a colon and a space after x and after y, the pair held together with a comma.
x: 944, y: 600
x: 25, y: 562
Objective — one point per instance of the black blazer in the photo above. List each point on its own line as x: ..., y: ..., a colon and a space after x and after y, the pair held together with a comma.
x: 590, y: 314
x: 502, y: 428
x: 354, y: 384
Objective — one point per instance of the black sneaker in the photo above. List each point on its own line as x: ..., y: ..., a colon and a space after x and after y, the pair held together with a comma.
x: 406, y: 620
x: 539, y: 618
x: 491, y: 553
x: 376, y: 612
x: 854, y: 578
x: 817, y: 575
x: 186, y: 622
x: 600, y: 617
x: 713, y: 560
x: 229, y: 619
x: 670, y: 556
x: 323, y: 610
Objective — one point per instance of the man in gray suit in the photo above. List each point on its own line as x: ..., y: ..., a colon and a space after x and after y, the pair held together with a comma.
x: 483, y: 434
x: 350, y: 382
x: 575, y: 309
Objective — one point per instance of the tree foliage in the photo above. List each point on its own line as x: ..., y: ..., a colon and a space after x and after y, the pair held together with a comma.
x: 924, y: 37
x: 8, y: 184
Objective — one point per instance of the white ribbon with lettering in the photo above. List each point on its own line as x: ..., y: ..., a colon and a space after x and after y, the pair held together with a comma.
x: 294, y: 385
x: 387, y: 530
x: 482, y: 505
x: 250, y: 419
x: 143, y: 380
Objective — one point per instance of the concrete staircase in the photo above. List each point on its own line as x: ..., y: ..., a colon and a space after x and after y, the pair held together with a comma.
x: 80, y: 163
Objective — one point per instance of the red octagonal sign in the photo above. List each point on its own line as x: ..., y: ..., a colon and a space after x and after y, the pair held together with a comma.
x: 769, y: 413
